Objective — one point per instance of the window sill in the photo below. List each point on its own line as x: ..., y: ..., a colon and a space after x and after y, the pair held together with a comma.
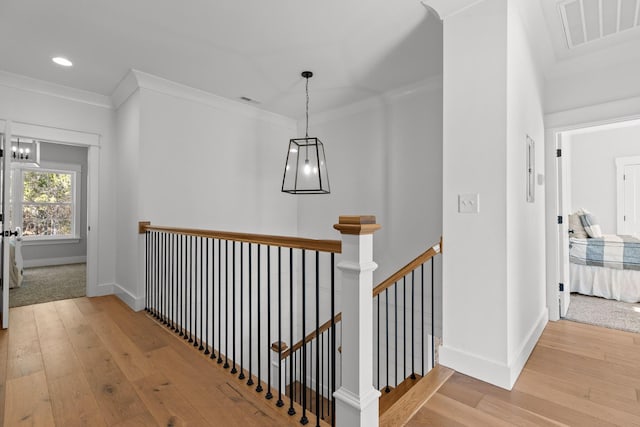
x: 29, y: 241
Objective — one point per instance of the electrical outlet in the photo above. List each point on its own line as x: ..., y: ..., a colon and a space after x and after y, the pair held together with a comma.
x: 469, y: 203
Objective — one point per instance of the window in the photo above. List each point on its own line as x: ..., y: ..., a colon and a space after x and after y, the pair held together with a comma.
x: 49, y: 203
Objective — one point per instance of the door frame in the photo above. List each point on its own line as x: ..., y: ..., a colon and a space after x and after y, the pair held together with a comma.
x: 621, y: 163
x: 92, y: 142
x: 556, y: 124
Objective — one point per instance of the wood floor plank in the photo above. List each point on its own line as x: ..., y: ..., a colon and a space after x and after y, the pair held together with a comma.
x: 460, y: 412
x: 514, y: 414
x: 115, y: 395
x: 126, y: 354
x: 27, y: 401
x: 73, y: 402
x: 24, y: 357
x: 166, y: 402
x: 4, y: 348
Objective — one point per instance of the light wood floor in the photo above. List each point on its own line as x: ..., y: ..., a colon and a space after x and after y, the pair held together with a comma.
x: 578, y: 375
x: 94, y: 362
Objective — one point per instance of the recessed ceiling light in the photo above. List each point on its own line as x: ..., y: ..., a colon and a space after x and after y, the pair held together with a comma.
x: 62, y: 61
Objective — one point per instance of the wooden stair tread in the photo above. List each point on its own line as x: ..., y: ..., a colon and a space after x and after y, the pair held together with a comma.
x: 419, y: 391
x: 387, y: 399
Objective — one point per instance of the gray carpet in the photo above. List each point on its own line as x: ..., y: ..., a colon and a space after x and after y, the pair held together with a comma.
x: 44, y: 284
x: 603, y: 312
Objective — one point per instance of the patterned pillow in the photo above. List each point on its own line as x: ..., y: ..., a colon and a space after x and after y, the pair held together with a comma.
x: 590, y: 224
x: 575, y: 227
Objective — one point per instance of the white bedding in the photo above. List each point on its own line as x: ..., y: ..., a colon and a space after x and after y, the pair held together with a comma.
x: 610, y: 283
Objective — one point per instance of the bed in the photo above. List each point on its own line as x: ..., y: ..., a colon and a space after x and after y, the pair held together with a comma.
x: 606, y: 266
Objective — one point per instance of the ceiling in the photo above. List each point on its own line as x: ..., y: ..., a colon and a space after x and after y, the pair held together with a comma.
x: 253, y: 48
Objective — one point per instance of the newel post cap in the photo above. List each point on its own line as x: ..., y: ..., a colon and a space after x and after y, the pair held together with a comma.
x: 357, y: 224
x: 142, y: 226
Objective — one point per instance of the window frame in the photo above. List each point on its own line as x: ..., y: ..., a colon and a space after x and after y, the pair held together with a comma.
x: 76, y: 201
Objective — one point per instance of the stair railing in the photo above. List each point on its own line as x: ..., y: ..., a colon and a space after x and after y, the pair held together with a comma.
x: 236, y: 296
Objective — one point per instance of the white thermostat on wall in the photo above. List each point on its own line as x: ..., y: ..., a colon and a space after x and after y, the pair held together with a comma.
x: 469, y: 203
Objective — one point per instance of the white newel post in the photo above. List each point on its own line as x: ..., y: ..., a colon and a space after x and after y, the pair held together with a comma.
x: 357, y: 399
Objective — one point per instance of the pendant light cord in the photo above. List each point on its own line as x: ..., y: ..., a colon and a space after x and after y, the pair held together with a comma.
x: 307, y: 91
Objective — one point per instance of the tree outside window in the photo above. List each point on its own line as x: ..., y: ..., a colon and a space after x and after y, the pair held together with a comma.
x: 48, y: 203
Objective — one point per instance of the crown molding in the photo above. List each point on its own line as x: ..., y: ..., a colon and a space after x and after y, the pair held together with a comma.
x: 430, y: 84
x: 42, y: 87
x: 447, y: 8
x: 135, y: 80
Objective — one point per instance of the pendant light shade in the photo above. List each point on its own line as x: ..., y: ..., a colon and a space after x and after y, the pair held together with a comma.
x: 305, y: 171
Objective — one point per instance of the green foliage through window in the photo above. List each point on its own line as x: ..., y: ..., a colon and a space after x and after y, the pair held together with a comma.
x: 47, y: 203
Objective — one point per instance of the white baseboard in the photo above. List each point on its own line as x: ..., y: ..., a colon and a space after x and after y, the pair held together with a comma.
x: 135, y: 303
x: 44, y: 262
x: 493, y: 372
x: 522, y: 356
x: 101, y: 290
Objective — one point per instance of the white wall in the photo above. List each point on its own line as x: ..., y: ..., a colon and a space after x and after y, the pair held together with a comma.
x: 526, y: 303
x: 384, y: 158
x: 42, y: 253
x: 593, y: 170
x: 190, y: 159
x: 127, y: 176
x: 33, y: 102
x: 493, y: 289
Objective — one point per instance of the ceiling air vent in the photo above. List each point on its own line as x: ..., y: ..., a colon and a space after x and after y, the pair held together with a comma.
x: 249, y: 100
x: 587, y: 20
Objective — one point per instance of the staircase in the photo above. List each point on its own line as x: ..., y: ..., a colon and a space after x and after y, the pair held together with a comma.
x: 238, y: 298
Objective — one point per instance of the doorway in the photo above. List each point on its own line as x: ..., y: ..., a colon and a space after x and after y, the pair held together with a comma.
x: 599, y: 282
x: 90, y: 142
x: 50, y: 215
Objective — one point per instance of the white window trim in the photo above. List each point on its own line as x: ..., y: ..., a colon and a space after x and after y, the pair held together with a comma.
x: 76, y: 175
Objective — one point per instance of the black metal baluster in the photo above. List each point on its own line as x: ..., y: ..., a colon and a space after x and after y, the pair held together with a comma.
x: 213, y: 297
x: 395, y: 289
x: 386, y: 318
x: 433, y: 325
x: 226, y: 304
x: 220, y: 301
x: 269, y: 395
x: 233, y: 308
x: 241, y: 376
x: 206, y: 299
x: 154, y: 260
x: 304, y: 420
x: 404, y: 328
x: 333, y: 341
x: 422, y: 314
x: 280, y: 402
x: 413, y: 329
x: 291, y: 377
x: 322, y: 372
x: 172, y: 287
x: 190, y: 291
x: 161, y: 276
x: 167, y: 274
x: 197, y: 255
x: 250, y: 380
x: 259, y: 306
x: 201, y: 347
x: 157, y: 276
x: 181, y: 283
x: 318, y: 384
x: 175, y: 282
x: 378, y: 340
x: 146, y: 271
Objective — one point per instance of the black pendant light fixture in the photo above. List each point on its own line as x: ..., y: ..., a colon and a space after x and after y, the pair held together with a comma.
x: 305, y: 171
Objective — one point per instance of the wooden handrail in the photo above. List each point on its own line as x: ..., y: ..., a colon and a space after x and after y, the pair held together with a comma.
x: 333, y: 246
x: 419, y: 260
x: 326, y: 325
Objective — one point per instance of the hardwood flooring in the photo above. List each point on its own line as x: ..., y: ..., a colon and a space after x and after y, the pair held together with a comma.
x: 94, y: 362
x: 577, y: 375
